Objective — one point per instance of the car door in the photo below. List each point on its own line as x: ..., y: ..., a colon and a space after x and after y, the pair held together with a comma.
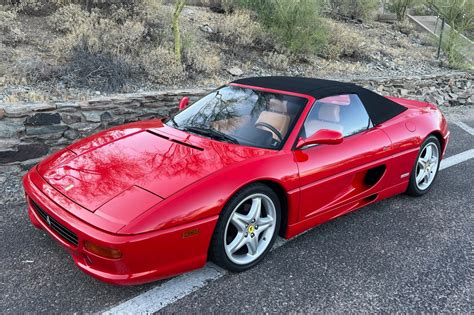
x: 336, y: 178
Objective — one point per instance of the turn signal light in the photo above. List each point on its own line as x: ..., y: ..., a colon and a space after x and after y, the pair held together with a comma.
x: 102, y: 250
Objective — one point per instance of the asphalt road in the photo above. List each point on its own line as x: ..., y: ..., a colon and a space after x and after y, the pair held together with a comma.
x: 403, y: 254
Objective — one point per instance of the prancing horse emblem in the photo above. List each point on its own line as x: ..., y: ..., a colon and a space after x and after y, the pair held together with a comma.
x: 48, y: 220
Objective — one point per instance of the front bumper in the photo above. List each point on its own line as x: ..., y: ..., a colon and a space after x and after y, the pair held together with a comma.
x: 145, y: 257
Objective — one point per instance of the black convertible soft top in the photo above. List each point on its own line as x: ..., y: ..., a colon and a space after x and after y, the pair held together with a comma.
x: 379, y: 108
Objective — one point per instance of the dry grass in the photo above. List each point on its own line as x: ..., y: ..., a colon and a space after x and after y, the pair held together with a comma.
x: 276, y: 60
x: 10, y: 31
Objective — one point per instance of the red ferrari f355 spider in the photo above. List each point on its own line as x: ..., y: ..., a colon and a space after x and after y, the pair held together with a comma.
x: 254, y: 159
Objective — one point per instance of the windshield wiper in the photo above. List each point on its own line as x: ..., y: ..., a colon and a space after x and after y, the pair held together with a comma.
x: 175, y: 124
x: 212, y: 133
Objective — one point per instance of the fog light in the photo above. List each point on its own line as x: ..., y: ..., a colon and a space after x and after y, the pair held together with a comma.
x: 102, y: 250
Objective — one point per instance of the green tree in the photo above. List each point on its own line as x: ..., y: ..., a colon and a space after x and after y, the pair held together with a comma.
x: 296, y: 23
x: 400, y: 7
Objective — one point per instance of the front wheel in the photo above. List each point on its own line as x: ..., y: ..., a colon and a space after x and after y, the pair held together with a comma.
x: 247, y: 228
x: 426, y: 167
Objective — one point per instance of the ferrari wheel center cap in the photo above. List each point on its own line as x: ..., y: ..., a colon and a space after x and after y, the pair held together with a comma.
x: 251, y: 229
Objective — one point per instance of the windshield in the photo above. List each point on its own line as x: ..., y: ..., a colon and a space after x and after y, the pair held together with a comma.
x: 242, y: 115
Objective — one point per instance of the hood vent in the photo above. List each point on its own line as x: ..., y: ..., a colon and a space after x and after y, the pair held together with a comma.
x: 175, y: 141
x: 157, y: 134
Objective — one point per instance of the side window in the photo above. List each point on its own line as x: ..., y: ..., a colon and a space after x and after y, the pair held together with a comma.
x: 344, y: 113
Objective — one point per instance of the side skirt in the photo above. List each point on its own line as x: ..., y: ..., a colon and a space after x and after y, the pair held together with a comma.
x: 339, y: 210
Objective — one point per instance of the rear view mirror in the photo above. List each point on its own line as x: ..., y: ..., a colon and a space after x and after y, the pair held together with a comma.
x: 323, y: 136
x: 183, y: 103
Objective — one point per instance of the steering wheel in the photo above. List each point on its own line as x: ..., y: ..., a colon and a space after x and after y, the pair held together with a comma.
x: 273, y: 129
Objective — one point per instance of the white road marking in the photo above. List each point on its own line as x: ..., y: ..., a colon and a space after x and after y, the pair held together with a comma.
x: 456, y: 159
x: 175, y: 289
x: 464, y: 126
x: 168, y: 292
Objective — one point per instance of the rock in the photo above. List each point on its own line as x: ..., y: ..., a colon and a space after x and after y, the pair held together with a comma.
x: 206, y: 29
x: 403, y: 92
x: 2, y: 113
x: 92, y: 116
x: 22, y: 110
x: 66, y: 105
x: 453, y: 96
x: 85, y: 127
x: 71, y: 134
x: 237, y: 72
x: 42, y: 130
x: 43, y: 119
x: 71, y: 118
x: 23, y: 152
x: 9, y: 129
x: 28, y: 164
x: 106, y: 116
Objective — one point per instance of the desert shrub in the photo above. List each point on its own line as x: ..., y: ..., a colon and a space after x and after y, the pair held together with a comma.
x: 343, y: 43
x: 161, y: 66
x: 35, y: 7
x: 157, y: 20
x: 99, y: 52
x: 295, y: 24
x: 66, y: 19
x: 239, y: 28
x: 10, y: 31
x: 201, y: 60
x: 355, y: 9
x: 103, y: 36
x: 276, y: 60
x: 404, y: 27
x: 96, y: 70
x: 33, y: 70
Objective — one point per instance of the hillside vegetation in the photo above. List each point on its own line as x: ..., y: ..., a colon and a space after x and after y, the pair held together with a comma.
x: 59, y: 46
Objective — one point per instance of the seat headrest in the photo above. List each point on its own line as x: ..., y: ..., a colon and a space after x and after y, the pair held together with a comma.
x: 277, y: 105
x: 329, y: 112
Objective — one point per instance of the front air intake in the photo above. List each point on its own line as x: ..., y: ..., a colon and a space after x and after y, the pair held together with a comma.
x: 57, y: 227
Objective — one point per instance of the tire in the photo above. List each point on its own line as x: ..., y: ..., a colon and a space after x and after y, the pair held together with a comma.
x: 238, y: 243
x: 421, y: 187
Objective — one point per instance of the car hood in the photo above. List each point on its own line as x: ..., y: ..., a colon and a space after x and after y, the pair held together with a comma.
x: 152, y: 163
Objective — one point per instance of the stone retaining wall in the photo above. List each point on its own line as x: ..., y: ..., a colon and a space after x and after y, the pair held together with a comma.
x: 29, y: 131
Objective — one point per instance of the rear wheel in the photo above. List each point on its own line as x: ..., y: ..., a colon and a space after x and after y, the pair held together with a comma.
x: 247, y: 228
x: 426, y: 167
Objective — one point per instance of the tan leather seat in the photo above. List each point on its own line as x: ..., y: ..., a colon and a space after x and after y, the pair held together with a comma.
x: 328, y: 118
x: 279, y: 121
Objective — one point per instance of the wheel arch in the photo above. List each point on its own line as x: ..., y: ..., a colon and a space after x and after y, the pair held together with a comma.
x: 282, y: 197
x: 440, y: 138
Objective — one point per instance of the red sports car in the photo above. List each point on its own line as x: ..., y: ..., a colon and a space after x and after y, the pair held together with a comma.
x: 254, y: 159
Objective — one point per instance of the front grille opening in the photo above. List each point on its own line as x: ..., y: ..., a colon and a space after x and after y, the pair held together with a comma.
x: 60, y: 229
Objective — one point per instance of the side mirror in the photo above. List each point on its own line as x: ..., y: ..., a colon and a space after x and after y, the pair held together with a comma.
x: 183, y: 103
x: 323, y: 136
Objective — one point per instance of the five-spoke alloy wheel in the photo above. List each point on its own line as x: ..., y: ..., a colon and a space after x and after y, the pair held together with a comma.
x: 426, y: 167
x: 247, y: 228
